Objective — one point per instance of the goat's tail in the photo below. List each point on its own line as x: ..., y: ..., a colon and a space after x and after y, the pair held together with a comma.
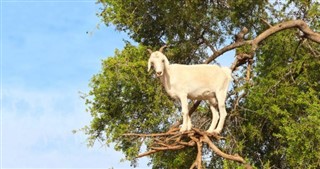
x: 228, y: 72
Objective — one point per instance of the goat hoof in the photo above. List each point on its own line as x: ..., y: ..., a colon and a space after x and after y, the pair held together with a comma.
x: 189, y: 128
x: 216, y: 131
x: 213, y: 132
x: 183, y: 130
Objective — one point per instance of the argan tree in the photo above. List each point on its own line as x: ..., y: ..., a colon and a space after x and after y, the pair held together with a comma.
x: 274, y: 103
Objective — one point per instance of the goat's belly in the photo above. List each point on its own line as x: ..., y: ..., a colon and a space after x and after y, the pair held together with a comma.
x: 201, y: 95
x: 173, y: 95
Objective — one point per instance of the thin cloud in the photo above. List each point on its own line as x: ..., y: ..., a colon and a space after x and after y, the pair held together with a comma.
x: 41, y: 134
x: 47, y: 58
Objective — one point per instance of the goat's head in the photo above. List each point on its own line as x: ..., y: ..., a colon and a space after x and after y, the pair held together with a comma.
x: 158, y: 61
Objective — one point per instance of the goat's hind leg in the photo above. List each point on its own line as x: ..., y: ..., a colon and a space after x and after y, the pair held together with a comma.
x: 215, y: 115
x: 221, y: 97
x: 186, y: 124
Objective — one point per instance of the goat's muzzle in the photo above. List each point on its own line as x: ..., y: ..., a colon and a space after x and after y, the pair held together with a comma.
x: 159, y: 74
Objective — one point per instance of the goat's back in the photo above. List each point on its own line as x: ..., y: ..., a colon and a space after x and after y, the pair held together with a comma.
x: 199, y: 79
x: 202, y: 72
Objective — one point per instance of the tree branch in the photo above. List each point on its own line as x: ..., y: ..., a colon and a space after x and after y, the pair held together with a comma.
x: 300, y: 24
x: 235, y: 157
x: 198, y: 162
x: 166, y: 141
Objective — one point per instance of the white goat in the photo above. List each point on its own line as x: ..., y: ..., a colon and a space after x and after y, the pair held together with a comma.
x: 201, y: 82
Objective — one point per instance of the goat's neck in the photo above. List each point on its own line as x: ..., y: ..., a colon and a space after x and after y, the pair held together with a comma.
x: 165, y: 79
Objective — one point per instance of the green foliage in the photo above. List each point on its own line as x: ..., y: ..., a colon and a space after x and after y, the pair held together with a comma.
x: 174, y: 159
x: 187, y: 25
x: 125, y: 98
x: 282, y: 128
x: 275, y: 126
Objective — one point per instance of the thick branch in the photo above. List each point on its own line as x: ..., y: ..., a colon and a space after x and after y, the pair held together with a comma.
x: 226, y: 49
x: 222, y: 154
x: 167, y: 141
x: 198, y: 162
x: 300, y: 24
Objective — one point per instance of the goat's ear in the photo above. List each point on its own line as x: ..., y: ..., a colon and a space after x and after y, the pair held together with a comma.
x: 150, y: 51
x: 149, y: 65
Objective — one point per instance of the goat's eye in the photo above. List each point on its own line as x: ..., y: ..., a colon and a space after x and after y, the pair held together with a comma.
x: 162, y: 60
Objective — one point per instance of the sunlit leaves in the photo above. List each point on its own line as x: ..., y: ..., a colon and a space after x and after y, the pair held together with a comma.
x: 285, y: 128
x: 125, y: 98
x: 276, y: 123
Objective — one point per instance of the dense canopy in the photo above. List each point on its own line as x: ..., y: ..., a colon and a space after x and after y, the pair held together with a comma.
x: 273, y: 114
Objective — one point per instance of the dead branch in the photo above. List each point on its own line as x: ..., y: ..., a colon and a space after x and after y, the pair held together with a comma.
x: 168, y: 141
x: 198, y: 161
x: 235, y: 157
x: 266, y: 22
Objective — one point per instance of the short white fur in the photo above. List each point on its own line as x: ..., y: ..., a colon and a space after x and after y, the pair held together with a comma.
x: 195, y: 82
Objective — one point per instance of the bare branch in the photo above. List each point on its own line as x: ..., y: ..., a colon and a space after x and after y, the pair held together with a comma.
x: 166, y: 141
x: 235, y: 157
x: 300, y: 24
x: 168, y: 148
x: 198, y: 162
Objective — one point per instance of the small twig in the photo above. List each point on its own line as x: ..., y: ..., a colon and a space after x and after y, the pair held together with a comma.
x: 190, y: 143
x: 147, y: 153
x: 170, y: 132
x: 314, y: 52
x: 174, y: 136
x: 208, y: 44
x: 236, y: 104
x: 168, y: 148
x: 249, y: 70
x: 205, y: 122
x: 266, y: 22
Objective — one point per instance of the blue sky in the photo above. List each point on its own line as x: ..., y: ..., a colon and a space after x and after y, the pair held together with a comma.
x: 47, y: 58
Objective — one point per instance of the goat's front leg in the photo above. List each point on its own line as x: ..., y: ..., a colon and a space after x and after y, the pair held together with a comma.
x: 186, y: 124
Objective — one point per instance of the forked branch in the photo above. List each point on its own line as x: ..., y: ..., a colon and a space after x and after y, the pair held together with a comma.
x: 175, y: 140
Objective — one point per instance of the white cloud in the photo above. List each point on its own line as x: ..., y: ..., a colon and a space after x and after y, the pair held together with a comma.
x: 37, y: 132
x: 47, y: 58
